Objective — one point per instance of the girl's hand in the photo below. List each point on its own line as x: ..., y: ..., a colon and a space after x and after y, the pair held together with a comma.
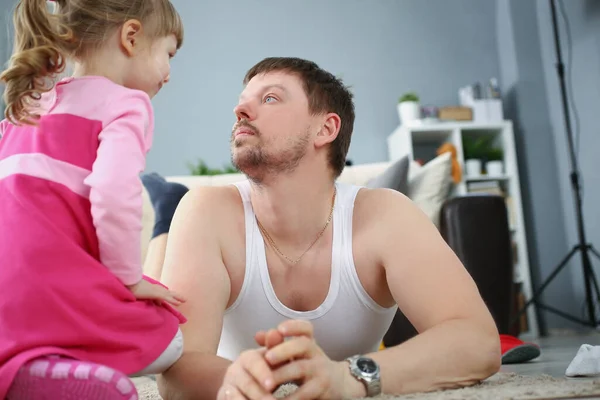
x: 144, y: 290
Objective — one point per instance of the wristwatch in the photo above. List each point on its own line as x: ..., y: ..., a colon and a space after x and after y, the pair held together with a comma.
x: 366, y: 371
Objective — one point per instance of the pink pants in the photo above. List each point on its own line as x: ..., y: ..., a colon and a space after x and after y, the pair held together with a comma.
x: 53, y: 377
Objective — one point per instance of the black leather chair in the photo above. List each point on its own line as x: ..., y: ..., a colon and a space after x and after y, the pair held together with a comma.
x: 476, y: 228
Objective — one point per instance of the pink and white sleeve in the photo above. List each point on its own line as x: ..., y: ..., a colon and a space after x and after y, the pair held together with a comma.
x: 116, y: 187
x: 2, y: 126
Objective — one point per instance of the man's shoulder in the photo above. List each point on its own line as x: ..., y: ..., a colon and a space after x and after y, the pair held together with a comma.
x: 387, y: 210
x: 211, y: 201
x: 380, y: 202
x: 214, y: 193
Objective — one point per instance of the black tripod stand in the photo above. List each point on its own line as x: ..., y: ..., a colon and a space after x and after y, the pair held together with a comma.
x: 583, y: 247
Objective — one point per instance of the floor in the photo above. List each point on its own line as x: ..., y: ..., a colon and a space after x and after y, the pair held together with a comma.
x: 557, y: 353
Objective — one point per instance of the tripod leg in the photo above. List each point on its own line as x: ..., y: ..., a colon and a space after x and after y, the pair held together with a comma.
x: 593, y: 280
x: 588, y: 275
x: 538, y: 292
x: 563, y: 314
x: 596, y: 288
x: 594, y: 251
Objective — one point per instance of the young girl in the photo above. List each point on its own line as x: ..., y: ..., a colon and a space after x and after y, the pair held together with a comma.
x: 77, y: 316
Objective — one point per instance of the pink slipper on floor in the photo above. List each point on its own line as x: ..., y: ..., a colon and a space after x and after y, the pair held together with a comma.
x: 53, y: 378
x: 515, y: 351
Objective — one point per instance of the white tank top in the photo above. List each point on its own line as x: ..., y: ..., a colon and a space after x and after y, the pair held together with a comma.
x: 348, y: 321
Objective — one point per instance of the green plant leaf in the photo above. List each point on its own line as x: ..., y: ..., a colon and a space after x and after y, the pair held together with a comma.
x: 481, y: 148
x: 495, y: 154
x: 409, y: 96
x: 201, y: 168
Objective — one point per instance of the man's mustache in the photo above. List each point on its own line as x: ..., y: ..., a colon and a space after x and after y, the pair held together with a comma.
x: 246, y: 124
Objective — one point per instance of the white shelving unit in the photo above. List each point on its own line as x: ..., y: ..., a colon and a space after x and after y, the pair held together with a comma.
x: 421, y: 142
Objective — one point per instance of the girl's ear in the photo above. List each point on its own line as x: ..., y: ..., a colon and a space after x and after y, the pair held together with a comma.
x: 131, y: 36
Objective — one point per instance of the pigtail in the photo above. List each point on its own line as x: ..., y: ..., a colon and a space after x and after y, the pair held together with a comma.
x: 39, y: 55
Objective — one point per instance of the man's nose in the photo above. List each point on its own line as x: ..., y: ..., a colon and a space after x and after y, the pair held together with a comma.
x: 244, y: 111
x: 167, y: 79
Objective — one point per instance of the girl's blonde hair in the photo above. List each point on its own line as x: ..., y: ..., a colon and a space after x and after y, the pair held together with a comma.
x: 44, y: 41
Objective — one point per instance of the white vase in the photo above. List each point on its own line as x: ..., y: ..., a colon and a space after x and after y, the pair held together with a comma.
x: 494, y: 168
x: 473, y: 167
x: 409, y: 111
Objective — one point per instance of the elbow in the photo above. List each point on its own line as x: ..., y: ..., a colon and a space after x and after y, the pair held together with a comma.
x: 485, y: 361
x: 489, y: 358
x: 491, y: 365
x: 484, y: 353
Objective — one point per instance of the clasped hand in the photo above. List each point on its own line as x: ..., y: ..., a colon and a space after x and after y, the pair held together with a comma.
x: 257, y: 373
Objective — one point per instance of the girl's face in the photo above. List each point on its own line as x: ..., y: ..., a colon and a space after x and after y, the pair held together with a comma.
x: 151, y: 68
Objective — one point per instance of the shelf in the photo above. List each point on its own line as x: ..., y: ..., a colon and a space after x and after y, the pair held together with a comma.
x: 464, y: 126
x: 422, y: 141
x: 485, y: 178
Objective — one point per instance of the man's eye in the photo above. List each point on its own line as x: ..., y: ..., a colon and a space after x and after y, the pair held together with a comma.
x: 269, y: 97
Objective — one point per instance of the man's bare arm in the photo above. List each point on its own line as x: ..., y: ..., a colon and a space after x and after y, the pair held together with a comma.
x: 194, y: 267
x: 458, y: 344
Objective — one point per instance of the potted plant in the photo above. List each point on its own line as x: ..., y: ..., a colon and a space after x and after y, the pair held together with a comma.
x: 409, y: 109
x: 478, y: 151
x: 474, y: 150
x: 201, y: 168
x: 494, y: 161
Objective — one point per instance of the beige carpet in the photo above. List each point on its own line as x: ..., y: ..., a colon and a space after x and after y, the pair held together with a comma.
x: 501, y: 386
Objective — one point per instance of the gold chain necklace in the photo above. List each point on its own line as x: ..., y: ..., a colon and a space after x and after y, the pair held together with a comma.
x: 296, y: 261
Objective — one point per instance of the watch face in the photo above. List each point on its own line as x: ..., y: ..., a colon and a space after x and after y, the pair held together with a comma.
x: 366, y: 365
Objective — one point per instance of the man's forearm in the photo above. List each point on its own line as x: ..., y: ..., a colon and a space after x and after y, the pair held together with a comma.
x: 454, y: 354
x: 196, y: 376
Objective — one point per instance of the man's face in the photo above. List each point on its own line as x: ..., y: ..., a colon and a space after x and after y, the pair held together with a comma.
x: 273, y: 129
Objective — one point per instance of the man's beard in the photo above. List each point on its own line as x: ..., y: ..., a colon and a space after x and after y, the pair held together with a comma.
x: 256, y: 162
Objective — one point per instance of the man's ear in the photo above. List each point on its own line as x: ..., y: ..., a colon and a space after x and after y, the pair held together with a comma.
x: 130, y: 37
x: 329, y: 130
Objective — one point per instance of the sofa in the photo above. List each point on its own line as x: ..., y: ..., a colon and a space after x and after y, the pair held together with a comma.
x: 461, y: 222
x: 427, y: 185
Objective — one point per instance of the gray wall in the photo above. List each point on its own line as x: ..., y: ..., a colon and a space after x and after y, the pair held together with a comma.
x: 528, y: 73
x: 525, y: 103
x: 382, y: 48
x: 584, y: 23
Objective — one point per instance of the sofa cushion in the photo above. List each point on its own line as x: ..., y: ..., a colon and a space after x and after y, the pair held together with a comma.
x: 429, y: 185
x: 192, y: 181
x: 361, y: 174
x: 394, y: 177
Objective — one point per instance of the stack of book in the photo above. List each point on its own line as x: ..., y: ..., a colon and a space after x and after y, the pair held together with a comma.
x: 493, y: 187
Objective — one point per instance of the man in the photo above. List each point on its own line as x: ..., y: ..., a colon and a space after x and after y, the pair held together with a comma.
x: 288, y: 274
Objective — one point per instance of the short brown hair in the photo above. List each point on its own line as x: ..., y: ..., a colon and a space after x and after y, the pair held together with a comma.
x: 325, y: 93
x: 45, y: 40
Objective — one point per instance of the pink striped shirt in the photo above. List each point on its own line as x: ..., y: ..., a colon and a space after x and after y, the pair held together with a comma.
x: 70, y: 228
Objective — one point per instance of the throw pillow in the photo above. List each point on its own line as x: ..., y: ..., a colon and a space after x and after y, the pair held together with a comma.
x: 395, y: 177
x: 430, y: 186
